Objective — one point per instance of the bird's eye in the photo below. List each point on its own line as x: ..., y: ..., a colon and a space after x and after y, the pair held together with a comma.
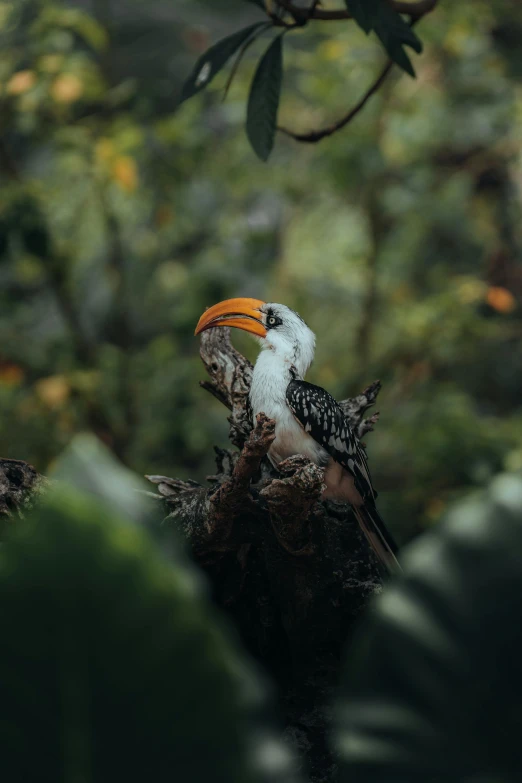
x: 271, y: 320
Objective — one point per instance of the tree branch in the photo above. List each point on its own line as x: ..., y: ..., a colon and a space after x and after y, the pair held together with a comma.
x: 415, y: 9
x: 231, y: 376
x: 227, y: 502
x: 355, y: 408
x: 312, y: 137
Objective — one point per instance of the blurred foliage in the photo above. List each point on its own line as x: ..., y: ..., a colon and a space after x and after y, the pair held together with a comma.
x: 398, y: 239
x: 113, y: 664
x: 432, y: 688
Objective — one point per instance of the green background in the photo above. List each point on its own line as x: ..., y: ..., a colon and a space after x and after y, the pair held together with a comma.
x: 398, y: 239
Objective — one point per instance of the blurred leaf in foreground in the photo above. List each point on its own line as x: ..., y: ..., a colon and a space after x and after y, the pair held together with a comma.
x: 112, y: 667
x: 89, y: 466
x: 434, y: 686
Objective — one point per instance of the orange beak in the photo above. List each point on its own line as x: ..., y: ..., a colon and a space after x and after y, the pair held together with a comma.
x: 241, y: 313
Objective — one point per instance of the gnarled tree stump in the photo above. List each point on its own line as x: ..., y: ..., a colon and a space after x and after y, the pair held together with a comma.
x: 293, y: 572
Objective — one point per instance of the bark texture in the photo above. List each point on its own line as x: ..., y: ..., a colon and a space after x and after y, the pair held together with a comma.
x: 19, y: 484
x: 293, y: 572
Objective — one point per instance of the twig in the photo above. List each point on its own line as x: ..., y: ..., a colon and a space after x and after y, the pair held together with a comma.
x: 229, y: 499
x: 367, y: 425
x: 355, y: 408
x: 168, y: 487
x: 312, y: 137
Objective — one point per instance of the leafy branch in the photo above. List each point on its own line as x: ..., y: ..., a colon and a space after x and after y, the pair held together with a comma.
x: 382, y: 17
x: 414, y: 9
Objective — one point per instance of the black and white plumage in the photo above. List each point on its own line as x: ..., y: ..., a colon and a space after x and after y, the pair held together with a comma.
x: 322, y: 418
x: 308, y: 419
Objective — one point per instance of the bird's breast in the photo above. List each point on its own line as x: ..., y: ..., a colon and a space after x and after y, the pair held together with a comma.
x: 290, y: 437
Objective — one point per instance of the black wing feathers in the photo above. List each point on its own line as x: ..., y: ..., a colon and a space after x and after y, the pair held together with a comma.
x: 321, y: 416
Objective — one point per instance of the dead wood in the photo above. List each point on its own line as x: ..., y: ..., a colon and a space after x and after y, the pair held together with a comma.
x: 293, y: 572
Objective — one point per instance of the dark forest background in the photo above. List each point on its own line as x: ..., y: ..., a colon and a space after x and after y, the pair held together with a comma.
x: 398, y: 239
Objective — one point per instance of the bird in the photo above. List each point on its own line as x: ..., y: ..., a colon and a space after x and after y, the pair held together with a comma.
x: 308, y: 420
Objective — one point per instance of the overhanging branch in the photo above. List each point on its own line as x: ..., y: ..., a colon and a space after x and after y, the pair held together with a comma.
x: 312, y: 137
x: 415, y: 9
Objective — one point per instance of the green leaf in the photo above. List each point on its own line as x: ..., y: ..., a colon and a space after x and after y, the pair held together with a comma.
x: 364, y: 12
x: 213, y: 60
x: 263, y: 101
x: 433, y: 680
x: 392, y: 30
x: 112, y: 666
x: 394, y: 33
x: 259, y: 3
x: 89, y: 466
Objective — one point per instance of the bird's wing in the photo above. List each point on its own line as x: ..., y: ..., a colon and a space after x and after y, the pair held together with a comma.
x: 320, y: 415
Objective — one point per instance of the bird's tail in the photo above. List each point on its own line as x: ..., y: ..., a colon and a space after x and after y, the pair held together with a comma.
x: 378, y: 537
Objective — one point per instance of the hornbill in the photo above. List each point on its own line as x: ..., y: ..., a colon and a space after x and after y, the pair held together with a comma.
x: 308, y: 420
